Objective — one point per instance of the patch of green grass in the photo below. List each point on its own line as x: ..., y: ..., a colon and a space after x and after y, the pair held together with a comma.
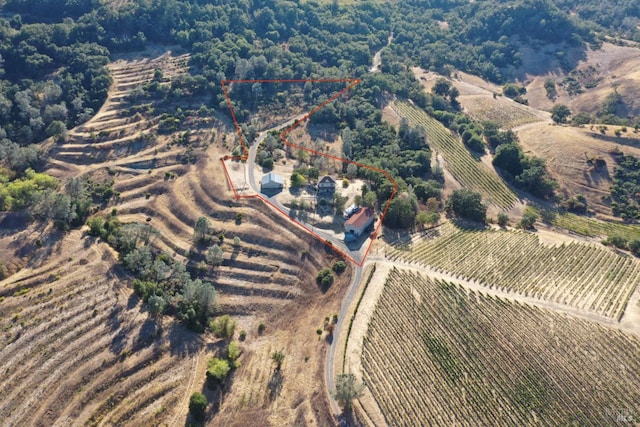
x: 21, y: 292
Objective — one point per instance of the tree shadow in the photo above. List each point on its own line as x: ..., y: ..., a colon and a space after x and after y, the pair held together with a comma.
x: 349, y: 418
x: 467, y: 225
x: 329, y: 337
x: 323, y: 131
x: 148, y: 332
x: 398, y: 238
x: 275, y: 384
x: 599, y: 174
x: 114, y: 322
x: 182, y: 341
x: 615, y: 139
x: 541, y: 58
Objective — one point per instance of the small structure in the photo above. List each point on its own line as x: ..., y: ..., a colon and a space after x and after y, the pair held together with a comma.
x: 272, y: 182
x: 327, y: 185
x: 358, y: 223
x: 350, y: 211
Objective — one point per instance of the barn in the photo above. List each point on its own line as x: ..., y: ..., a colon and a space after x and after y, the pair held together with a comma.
x: 272, y: 182
x: 358, y: 223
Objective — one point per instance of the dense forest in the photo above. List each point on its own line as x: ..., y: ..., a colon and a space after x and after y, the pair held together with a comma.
x: 53, y: 76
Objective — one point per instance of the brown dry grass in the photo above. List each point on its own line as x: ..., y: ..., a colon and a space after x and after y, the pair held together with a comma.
x: 609, y: 67
x: 566, y: 149
x: 88, y: 345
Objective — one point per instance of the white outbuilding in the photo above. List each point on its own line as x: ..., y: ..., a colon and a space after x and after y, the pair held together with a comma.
x: 272, y: 182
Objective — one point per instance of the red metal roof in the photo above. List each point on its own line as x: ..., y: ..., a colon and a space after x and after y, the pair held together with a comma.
x: 360, y: 218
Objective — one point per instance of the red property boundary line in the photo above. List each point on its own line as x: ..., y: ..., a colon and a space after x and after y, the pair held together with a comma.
x: 283, y: 136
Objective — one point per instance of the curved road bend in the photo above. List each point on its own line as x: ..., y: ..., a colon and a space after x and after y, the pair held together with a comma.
x: 255, y: 187
x: 355, y: 278
x: 254, y: 149
x: 329, y: 371
x: 354, y: 286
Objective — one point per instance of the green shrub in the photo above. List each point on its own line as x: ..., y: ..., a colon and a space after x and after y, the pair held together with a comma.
x: 233, y: 353
x: 619, y: 242
x: 217, y: 370
x: 503, y: 219
x: 197, y: 405
x: 634, y: 246
x: 339, y: 267
x: 223, y: 327
x: 324, y: 277
x: 528, y: 219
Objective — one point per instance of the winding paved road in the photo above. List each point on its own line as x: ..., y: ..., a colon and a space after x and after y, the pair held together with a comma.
x: 329, y: 371
x: 329, y: 365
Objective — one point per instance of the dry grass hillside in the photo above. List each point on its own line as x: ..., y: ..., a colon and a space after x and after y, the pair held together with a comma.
x: 599, y: 72
x: 79, y: 348
x: 567, y: 150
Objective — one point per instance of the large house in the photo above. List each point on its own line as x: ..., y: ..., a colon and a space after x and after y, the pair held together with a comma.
x: 327, y: 185
x: 272, y: 182
x: 358, y: 223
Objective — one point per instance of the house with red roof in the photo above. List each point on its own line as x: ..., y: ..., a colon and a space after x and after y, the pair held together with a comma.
x: 358, y: 223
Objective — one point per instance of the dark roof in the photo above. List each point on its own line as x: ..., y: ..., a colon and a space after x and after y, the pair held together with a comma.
x: 360, y: 218
x: 327, y: 178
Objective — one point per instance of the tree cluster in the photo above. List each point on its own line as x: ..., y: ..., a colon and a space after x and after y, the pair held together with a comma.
x: 525, y: 172
x: 466, y: 204
x: 626, y: 187
x: 39, y: 194
x: 483, y: 38
x: 164, y: 284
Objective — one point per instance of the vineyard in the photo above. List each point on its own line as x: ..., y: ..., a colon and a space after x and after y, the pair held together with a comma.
x: 463, y: 166
x: 436, y: 354
x: 587, y: 277
x: 595, y: 228
x: 507, y: 113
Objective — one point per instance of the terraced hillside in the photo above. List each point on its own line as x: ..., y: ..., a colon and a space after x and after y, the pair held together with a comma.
x: 114, y: 137
x: 587, y: 277
x: 437, y: 354
x: 92, y: 353
x: 470, y: 172
x: 76, y: 348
